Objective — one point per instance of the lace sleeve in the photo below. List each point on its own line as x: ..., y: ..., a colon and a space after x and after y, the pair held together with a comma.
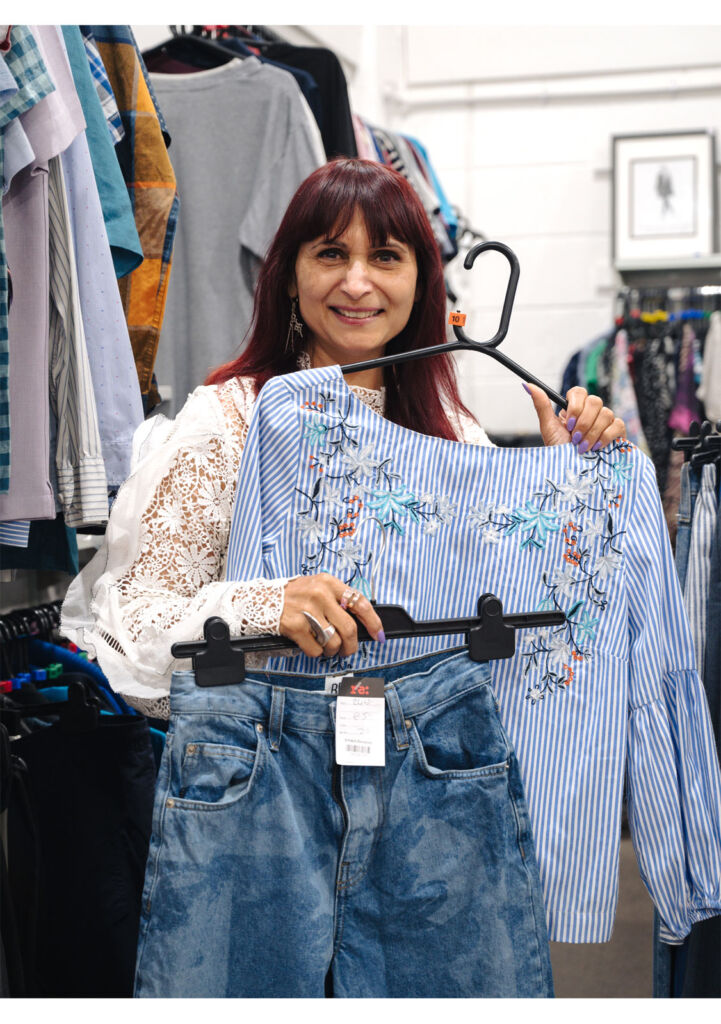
x: 472, y: 432
x: 159, y: 572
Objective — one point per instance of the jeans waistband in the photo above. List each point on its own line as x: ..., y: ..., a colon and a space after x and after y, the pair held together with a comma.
x: 416, y: 685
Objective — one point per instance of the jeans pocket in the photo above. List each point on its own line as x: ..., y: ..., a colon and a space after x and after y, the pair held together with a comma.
x: 215, y: 775
x: 461, y: 738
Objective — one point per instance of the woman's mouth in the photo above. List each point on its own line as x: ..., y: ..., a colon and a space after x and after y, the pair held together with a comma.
x: 355, y: 315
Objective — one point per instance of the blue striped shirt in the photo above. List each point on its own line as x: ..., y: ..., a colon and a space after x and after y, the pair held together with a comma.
x: 15, y: 533
x: 327, y: 485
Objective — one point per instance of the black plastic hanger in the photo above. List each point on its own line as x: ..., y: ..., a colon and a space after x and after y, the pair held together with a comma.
x: 184, y: 45
x: 220, y: 661
x: 708, y: 448
x: 490, y: 347
x: 79, y: 713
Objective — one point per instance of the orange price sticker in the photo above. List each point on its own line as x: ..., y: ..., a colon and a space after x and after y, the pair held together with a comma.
x: 457, y: 319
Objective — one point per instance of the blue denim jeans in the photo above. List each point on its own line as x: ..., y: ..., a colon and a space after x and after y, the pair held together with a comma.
x: 273, y: 871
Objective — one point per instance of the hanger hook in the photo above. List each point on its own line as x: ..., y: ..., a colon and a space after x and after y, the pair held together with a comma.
x: 515, y: 271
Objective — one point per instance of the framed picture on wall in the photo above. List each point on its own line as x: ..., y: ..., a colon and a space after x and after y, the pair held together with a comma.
x: 664, y: 197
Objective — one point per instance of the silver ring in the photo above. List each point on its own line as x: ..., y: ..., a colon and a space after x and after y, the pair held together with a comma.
x: 322, y: 636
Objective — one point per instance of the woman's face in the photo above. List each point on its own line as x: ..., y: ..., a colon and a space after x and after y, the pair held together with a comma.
x: 354, y: 297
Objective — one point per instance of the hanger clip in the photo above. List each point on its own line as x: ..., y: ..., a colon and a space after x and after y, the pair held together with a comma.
x: 491, y: 638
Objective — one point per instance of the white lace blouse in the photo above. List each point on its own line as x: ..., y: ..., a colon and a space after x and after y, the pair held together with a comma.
x: 159, y: 573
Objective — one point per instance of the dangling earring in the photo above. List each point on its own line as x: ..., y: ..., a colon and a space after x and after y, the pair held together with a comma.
x: 295, y: 326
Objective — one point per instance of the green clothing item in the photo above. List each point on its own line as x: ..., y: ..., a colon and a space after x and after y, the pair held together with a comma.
x: 127, y: 252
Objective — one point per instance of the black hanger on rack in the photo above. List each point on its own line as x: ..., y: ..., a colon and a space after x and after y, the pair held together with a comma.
x: 79, y: 713
x: 220, y: 661
x: 185, y: 45
x: 709, y: 447
x: 702, y: 445
x: 490, y: 347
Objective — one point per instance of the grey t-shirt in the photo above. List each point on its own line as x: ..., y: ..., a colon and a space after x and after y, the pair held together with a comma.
x: 241, y: 145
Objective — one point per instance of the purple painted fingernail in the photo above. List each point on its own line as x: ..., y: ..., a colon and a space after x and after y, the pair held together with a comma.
x: 570, y: 423
x: 583, y: 448
x: 526, y: 388
x: 596, y: 446
x: 577, y: 437
x: 380, y: 636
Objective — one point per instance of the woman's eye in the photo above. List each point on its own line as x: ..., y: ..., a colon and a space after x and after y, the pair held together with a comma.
x: 387, y: 256
x: 326, y: 254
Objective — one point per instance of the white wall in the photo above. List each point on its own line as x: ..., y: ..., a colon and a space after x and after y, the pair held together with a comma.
x: 518, y: 123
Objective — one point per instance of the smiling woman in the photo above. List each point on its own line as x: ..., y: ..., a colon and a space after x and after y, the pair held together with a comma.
x: 355, y: 239
x: 353, y: 272
x: 354, y: 296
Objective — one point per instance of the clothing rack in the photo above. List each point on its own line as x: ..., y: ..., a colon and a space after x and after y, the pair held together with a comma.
x: 636, y: 300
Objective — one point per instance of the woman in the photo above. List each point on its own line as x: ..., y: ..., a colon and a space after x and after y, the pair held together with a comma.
x: 352, y: 273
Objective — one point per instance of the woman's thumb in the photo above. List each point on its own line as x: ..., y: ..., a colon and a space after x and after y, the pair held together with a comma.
x: 542, y: 405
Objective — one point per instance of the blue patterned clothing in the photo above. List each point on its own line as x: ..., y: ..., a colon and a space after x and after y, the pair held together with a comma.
x: 104, y: 90
x: 327, y: 485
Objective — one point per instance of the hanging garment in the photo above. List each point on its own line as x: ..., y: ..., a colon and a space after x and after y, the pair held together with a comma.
x: 150, y: 179
x: 158, y: 573
x: 686, y: 407
x: 15, y: 149
x: 364, y: 140
x: 15, y: 533
x: 80, y: 482
x: 622, y: 395
x: 690, y: 970
x: 712, y: 676
x: 652, y: 359
x: 51, y: 547
x: 696, y: 586
x: 23, y: 63
x: 117, y: 210
x: 114, y: 377
x: 328, y: 486
x: 234, y: 197
x: 90, y: 795
x: 103, y: 89
x: 709, y: 391
x: 449, y: 214
x: 270, y: 867
x: 306, y: 83
x: 51, y: 126
x: 336, y: 124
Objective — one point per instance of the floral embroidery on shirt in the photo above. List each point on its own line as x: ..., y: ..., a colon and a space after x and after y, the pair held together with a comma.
x: 356, y: 487
x: 581, y: 509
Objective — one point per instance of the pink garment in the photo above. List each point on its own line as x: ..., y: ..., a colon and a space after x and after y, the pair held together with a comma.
x: 622, y: 398
x: 686, y: 407
x: 50, y: 127
x: 363, y: 141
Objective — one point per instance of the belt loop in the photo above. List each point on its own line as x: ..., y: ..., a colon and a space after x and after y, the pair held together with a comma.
x: 275, y: 722
x: 398, y: 722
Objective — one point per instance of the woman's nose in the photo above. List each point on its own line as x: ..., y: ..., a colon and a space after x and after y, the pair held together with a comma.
x: 356, y: 281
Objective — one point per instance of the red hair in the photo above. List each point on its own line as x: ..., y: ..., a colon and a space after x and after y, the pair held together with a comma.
x: 323, y: 206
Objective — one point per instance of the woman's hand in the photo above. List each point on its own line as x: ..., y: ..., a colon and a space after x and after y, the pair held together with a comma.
x: 320, y: 596
x: 587, y: 422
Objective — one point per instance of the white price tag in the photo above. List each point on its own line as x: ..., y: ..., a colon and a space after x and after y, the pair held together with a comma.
x: 331, y: 684
x: 360, y: 727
